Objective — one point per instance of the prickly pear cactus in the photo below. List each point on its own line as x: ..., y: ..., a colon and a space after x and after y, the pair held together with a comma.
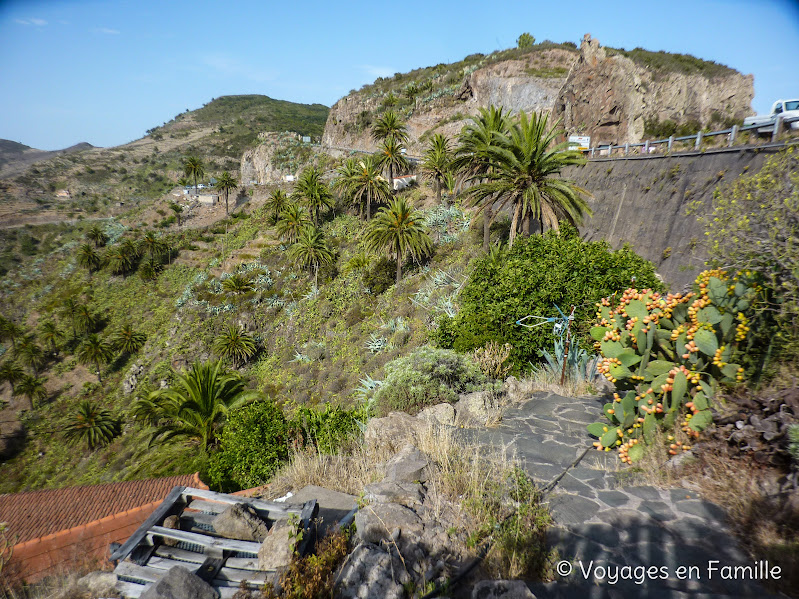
x: 666, y: 356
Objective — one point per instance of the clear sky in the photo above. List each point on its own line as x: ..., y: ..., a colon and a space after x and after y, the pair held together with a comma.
x: 106, y: 71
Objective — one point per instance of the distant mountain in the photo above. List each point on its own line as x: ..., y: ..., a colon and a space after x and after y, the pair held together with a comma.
x: 16, y: 157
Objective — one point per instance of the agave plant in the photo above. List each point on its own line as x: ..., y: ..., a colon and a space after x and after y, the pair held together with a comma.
x: 92, y: 424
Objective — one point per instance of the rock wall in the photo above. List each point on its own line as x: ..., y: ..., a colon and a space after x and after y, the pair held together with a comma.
x: 654, y: 204
x: 278, y: 155
x: 610, y: 97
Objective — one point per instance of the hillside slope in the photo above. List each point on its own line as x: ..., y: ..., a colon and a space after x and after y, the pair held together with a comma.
x: 100, y: 179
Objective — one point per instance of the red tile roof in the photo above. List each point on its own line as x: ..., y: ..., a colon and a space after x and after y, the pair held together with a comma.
x: 34, y: 514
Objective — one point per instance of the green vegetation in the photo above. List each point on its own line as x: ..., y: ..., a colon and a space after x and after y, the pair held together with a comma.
x: 93, y: 425
x: 669, y: 355
x: 525, y: 41
x: 253, y: 444
x: 426, y: 377
x: 661, y: 63
x: 538, y: 273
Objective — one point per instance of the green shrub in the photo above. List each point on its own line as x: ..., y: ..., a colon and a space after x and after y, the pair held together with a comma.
x: 327, y: 430
x: 253, y: 445
x: 426, y: 377
x: 380, y: 275
x: 530, y: 279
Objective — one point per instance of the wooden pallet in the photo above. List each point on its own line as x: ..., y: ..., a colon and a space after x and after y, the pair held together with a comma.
x: 226, y: 564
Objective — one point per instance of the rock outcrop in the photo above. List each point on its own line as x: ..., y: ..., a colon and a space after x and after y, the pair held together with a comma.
x: 530, y: 83
x: 279, y: 155
x: 596, y: 92
x: 609, y: 97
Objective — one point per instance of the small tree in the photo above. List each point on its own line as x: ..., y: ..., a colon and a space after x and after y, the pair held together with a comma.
x: 96, y: 235
x: 292, y: 221
x: 235, y: 344
x: 95, y: 351
x: 311, y: 250
x: 127, y: 340
x: 32, y: 387
x: 177, y: 209
x: 226, y: 184
x: 525, y: 41
x: 399, y: 229
x: 89, y: 258
x: 193, y: 167
x: 92, y: 424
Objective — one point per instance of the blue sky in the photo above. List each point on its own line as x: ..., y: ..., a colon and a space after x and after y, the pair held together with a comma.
x: 105, y: 72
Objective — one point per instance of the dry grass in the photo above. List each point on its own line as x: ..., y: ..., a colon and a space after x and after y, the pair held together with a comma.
x: 546, y: 380
x: 62, y: 586
x: 473, y: 487
x: 765, y: 520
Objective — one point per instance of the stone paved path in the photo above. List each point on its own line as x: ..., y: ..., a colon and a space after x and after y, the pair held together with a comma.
x: 608, y: 532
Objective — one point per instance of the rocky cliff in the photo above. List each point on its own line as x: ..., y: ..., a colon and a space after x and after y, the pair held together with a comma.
x: 611, y: 96
x: 529, y: 82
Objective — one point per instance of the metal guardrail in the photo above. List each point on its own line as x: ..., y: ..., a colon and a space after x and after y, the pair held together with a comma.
x: 649, y: 147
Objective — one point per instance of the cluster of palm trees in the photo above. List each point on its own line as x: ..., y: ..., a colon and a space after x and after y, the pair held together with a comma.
x: 145, y: 254
x: 194, y: 168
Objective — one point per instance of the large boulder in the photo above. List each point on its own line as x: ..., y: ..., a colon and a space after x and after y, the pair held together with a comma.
x: 179, y: 583
x: 384, y: 521
x: 442, y: 414
x: 277, y: 548
x: 371, y: 573
x: 476, y: 407
x: 408, y: 466
x: 240, y: 521
x: 394, y: 431
x: 12, y: 437
x: 393, y: 492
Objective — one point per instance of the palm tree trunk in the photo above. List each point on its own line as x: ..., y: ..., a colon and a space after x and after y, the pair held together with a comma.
x: 391, y: 177
x: 316, y: 276
x: 368, y: 204
x: 526, y: 224
x: 438, y: 190
x: 99, y: 380
x: 195, y: 182
x: 399, y: 267
x: 487, y: 218
x: 226, y: 209
x: 514, y: 225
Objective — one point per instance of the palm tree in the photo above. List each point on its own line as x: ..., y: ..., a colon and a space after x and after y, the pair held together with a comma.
x: 95, y: 351
x: 92, y: 424
x: 51, y: 335
x: 390, y: 125
x: 436, y: 162
x: 177, y: 209
x: 184, y: 182
x: 70, y: 309
x: 32, y: 388
x: 238, y: 284
x: 524, y: 174
x: 400, y: 230
x: 276, y: 203
x: 86, y: 320
x: 390, y: 155
x: 120, y: 259
x: 311, y: 250
x: 313, y: 191
x: 153, y: 245
x: 361, y: 179
x: 95, y: 234
x: 235, y: 344
x: 226, y: 184
x: 89, y: 258
x: 127, y: 340
x: 30, y: 353
x: 472, y: 157
x: 196, y: 406
x: 10, y: 331
x: 292, y: 220
x: 11, y: 373
x: 193, y: 167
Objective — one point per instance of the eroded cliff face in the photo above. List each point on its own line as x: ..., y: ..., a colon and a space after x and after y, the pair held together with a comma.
x: 277, y: 156
x: 528, y: 84
x: 608, y: 97
x: 611, y: 97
